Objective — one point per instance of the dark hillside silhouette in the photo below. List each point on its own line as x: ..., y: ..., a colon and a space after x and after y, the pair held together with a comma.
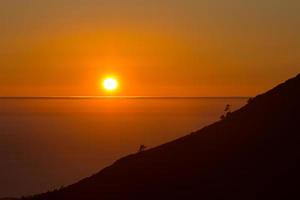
x: 254, y: 153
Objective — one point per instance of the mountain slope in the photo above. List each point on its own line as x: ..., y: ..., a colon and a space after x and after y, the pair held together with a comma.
x: 252, y: 154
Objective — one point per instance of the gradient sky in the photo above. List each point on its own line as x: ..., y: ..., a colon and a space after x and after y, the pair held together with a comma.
x: 155, y: 47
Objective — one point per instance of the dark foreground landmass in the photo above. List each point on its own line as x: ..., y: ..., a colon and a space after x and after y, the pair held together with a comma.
x: 253, y: 153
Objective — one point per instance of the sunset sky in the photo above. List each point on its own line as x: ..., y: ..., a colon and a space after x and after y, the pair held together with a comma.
x: 153, y: 47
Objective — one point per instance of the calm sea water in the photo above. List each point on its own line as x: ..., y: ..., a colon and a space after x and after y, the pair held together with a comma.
x: 45, y: 144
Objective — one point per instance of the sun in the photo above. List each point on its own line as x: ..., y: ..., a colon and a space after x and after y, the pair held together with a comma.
x: 110, y: 84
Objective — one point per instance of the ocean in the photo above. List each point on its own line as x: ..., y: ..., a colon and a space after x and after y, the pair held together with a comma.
x: 52, y: 142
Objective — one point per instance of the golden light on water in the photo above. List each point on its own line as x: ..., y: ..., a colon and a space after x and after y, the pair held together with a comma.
x: 110, y: 84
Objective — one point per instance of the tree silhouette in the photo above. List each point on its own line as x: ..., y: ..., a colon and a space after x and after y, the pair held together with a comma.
x: 227, y: 108
x: 227, y: 111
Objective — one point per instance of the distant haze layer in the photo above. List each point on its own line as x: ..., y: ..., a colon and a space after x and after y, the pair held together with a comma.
x: 45, y: 144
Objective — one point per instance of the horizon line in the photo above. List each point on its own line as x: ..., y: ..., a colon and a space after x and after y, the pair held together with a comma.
x: 116, y: 97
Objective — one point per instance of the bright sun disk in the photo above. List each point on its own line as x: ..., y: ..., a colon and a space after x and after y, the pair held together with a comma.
x: 110, y: 84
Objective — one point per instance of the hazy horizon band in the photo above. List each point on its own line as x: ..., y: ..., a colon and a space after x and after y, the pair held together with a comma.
x: 116, y: 97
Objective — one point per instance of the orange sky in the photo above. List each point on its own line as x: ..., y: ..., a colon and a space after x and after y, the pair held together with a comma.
x: 163, y: 47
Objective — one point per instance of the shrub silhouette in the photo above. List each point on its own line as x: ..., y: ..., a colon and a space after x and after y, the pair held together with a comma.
x: 142, y: 148
x: 222, y: 117
x: 250, y: 100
